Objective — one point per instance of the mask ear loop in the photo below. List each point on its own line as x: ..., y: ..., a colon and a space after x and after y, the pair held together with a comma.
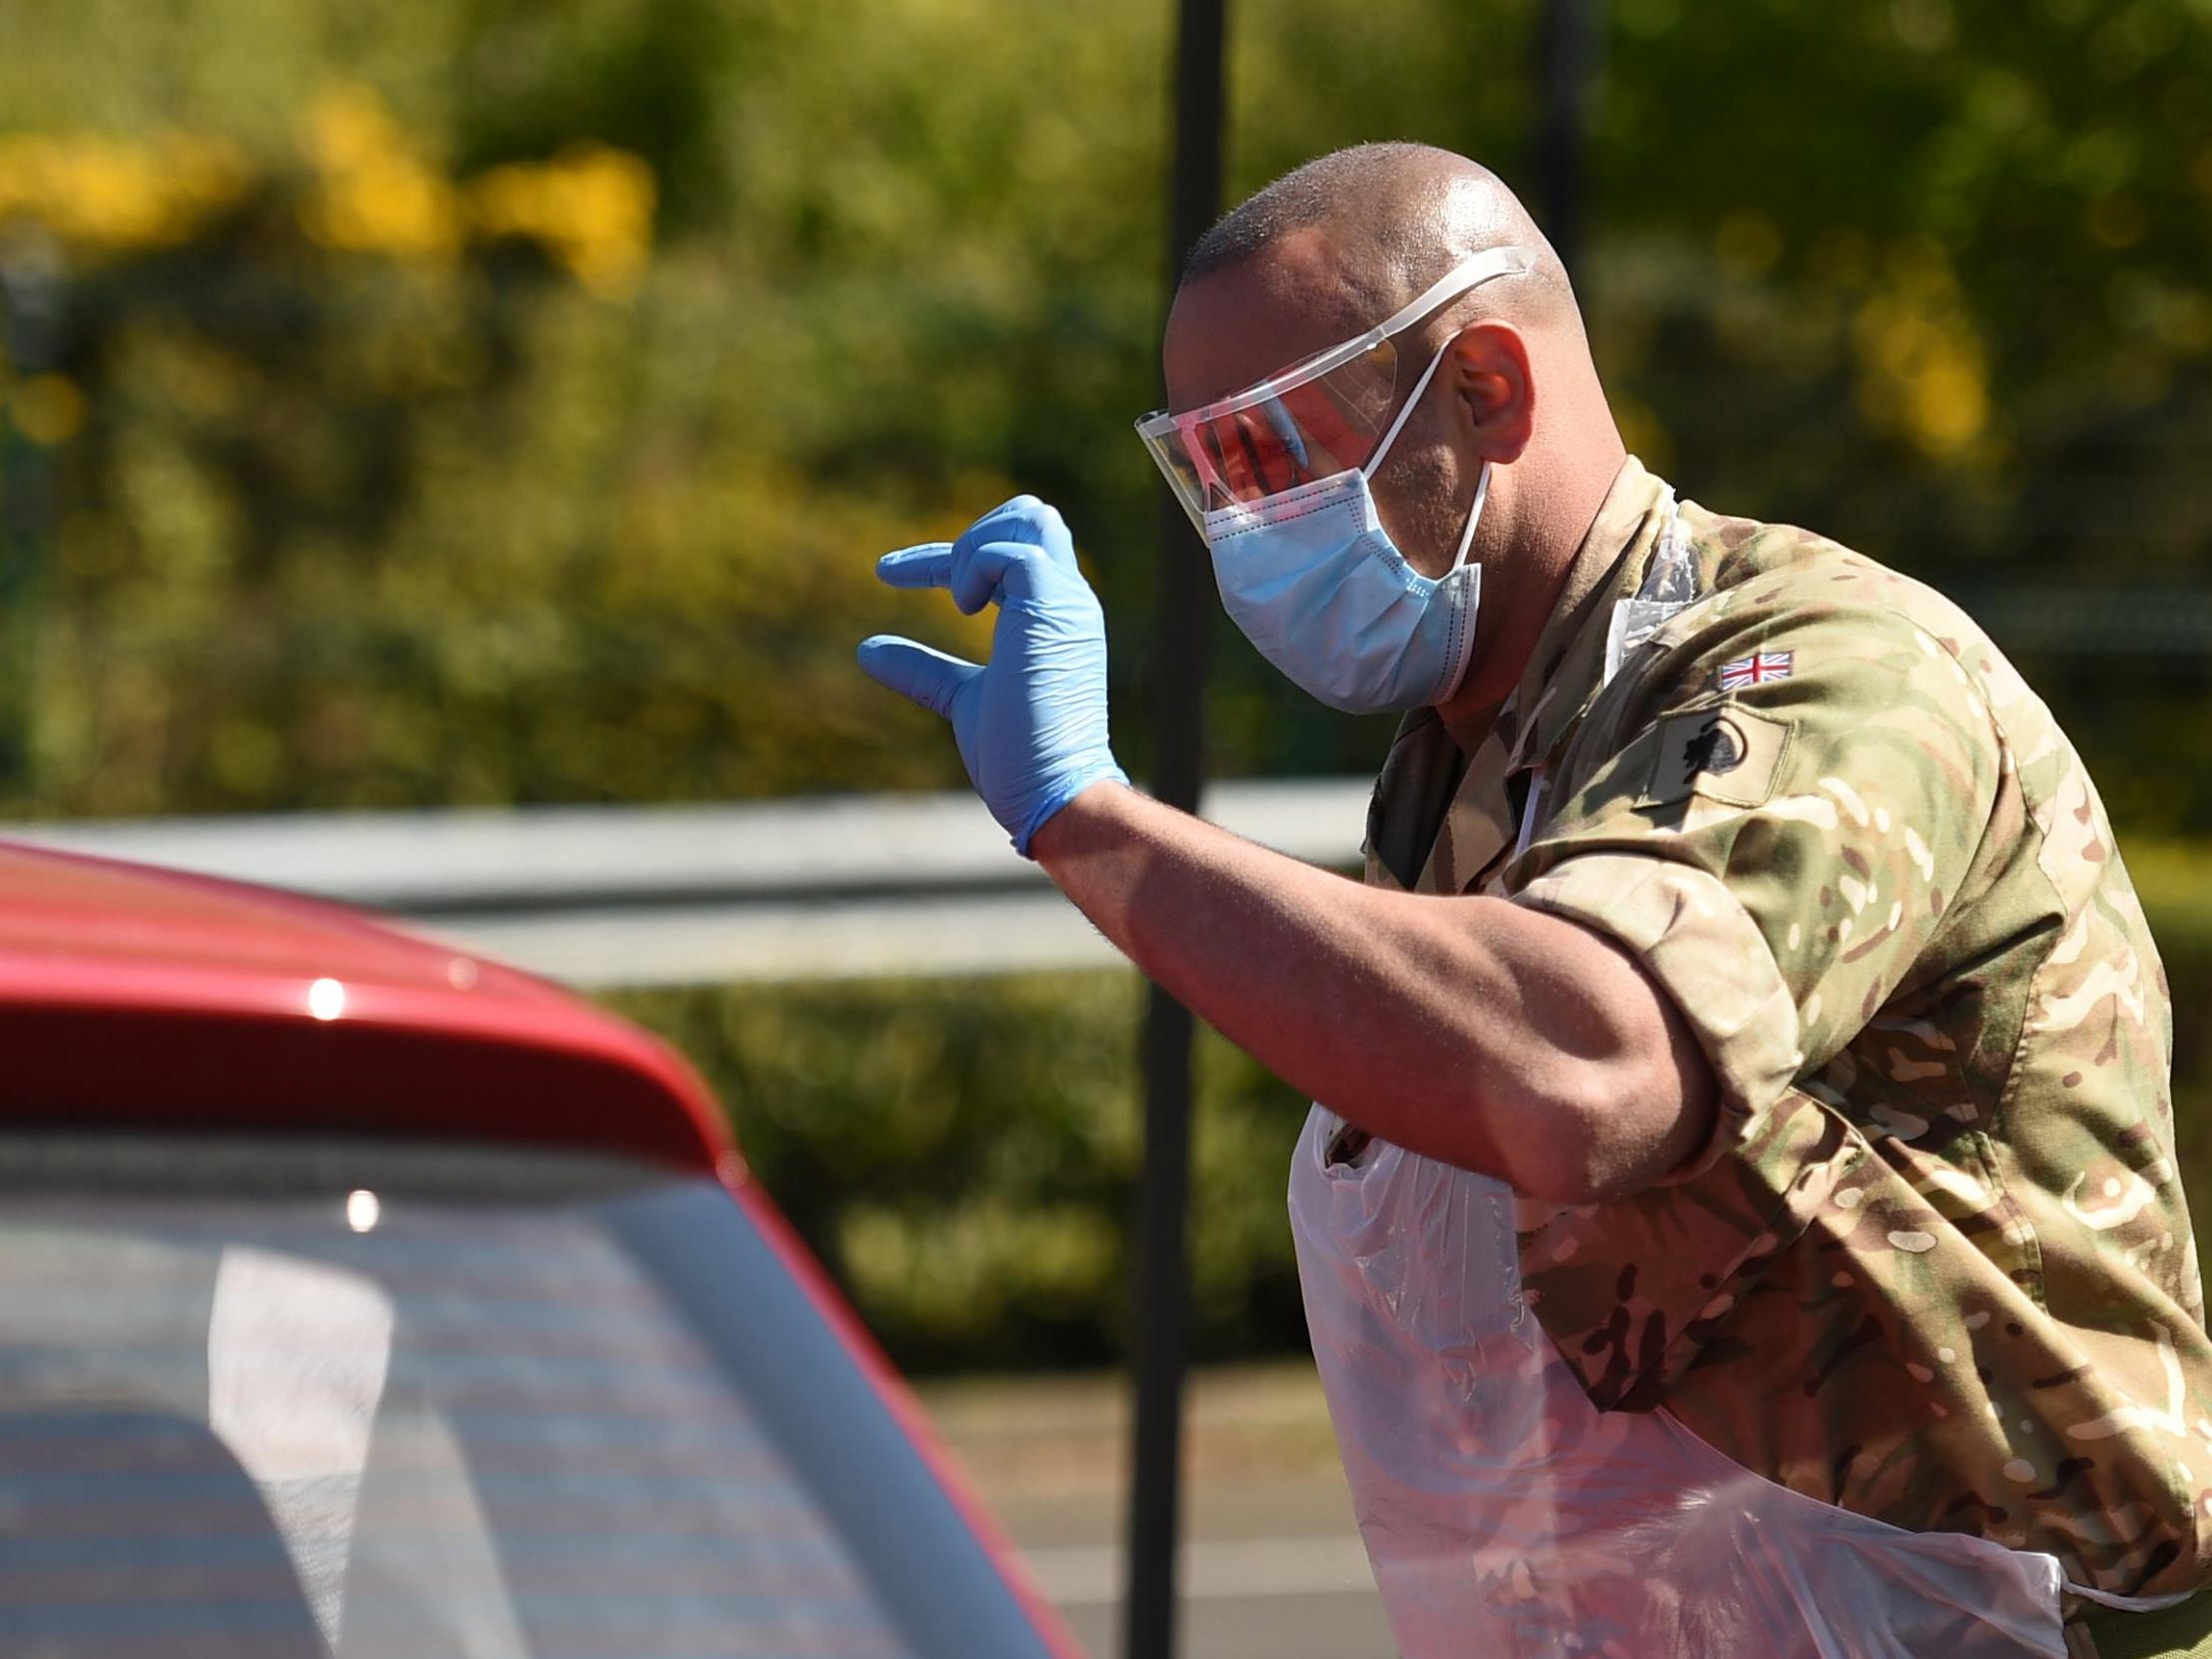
x: 1482, y: 479
x: 1397, y: 426
x: 1474, y: 518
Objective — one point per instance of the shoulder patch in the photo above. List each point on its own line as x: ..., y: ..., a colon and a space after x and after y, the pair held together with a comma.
x: 1724, y: 752
x: 1757, y: 669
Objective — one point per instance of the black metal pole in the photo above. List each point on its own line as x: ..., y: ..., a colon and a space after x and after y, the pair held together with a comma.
x: 1568, y: 43
x: 1186, y: 616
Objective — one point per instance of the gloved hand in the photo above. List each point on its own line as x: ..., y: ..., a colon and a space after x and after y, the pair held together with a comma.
x: 1032, y: 723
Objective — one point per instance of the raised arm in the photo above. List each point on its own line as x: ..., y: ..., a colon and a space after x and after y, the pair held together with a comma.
x: 1470, y: 1030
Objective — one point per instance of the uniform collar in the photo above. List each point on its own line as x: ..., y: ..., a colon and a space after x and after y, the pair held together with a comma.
x: 1435, y: 803
x: 1564, y: 670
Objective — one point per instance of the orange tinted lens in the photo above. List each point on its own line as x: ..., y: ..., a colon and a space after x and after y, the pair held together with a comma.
x: 1326, y: 426
x: 1334, y: 439
x: 1318, y: 429
x: 1255, y: 452
x: 1342, y: 414
x: 1265, y: 444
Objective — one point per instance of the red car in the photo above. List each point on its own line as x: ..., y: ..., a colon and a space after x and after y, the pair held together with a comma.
x: 359, y: 1300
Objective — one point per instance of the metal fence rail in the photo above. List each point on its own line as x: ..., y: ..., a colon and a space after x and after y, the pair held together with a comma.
x: 838, y: 887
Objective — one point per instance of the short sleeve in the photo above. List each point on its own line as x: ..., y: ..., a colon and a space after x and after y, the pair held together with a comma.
x: 1788, y: 803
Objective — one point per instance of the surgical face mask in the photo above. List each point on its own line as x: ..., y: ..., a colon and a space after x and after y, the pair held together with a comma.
x: 1316, y: 583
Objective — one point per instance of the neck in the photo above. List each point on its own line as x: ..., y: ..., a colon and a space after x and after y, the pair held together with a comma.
x: 1549, y: 517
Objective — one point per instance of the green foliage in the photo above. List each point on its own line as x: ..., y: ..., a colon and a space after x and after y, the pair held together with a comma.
x: 344, y: 526
x: 569, y: 599
x: 386, y: 524
x: 963, y: 1156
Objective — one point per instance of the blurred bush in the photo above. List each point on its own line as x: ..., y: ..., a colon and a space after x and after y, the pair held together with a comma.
x: 505, y: 401
x: 517, y: 414
x: 962, y: 1153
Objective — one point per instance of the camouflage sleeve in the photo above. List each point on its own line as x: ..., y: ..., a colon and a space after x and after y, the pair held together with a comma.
x: 1771, y: 809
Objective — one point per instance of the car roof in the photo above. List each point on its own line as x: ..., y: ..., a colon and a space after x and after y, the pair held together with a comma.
x: 135, y: 995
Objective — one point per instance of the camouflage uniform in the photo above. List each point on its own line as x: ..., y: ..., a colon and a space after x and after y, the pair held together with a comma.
x: 1935, y: 1265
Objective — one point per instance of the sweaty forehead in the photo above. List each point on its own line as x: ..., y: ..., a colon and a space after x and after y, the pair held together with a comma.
x: 1232, y: 327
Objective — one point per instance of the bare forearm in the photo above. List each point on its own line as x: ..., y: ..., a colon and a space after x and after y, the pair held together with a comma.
x: 1470, y: 1030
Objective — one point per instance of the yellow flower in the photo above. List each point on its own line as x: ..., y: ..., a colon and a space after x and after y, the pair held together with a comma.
x: 1922, y: 364
x: 590, y: 206
x: 107, y: 192
x: 373, y: 194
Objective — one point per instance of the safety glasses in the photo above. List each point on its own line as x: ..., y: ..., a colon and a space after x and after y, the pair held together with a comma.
x: 1321, y: 416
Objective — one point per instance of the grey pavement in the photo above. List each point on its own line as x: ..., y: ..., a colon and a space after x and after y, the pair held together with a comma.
x: 1271, y: 1562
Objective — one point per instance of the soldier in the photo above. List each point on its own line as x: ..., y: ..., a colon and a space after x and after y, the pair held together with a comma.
x: 1743, y: 1217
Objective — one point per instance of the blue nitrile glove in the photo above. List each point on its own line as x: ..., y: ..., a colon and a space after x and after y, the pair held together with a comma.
x: 1032, y: 723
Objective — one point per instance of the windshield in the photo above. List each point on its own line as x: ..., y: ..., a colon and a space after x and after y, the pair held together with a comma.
x: 304, y: 1400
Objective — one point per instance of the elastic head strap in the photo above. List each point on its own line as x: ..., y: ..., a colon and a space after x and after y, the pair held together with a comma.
x: 1506, y: 261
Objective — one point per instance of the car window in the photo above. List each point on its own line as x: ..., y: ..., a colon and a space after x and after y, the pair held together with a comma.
x: 301, y: 1399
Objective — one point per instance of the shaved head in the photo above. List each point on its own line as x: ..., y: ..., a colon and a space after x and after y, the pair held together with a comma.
x: 1397, y: 217
x: 1330, y: 249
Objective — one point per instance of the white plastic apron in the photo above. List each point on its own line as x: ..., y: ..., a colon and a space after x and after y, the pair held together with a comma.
x: 1506, y: 1515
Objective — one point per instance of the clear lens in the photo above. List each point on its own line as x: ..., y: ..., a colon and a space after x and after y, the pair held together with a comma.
x: 1322, y: 416
x: 1314, y: 430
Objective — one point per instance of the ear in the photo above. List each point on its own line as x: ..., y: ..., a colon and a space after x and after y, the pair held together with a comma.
x: 1492, y: 388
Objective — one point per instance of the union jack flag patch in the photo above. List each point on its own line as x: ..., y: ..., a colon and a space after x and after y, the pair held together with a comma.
x: 1756, y: 670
